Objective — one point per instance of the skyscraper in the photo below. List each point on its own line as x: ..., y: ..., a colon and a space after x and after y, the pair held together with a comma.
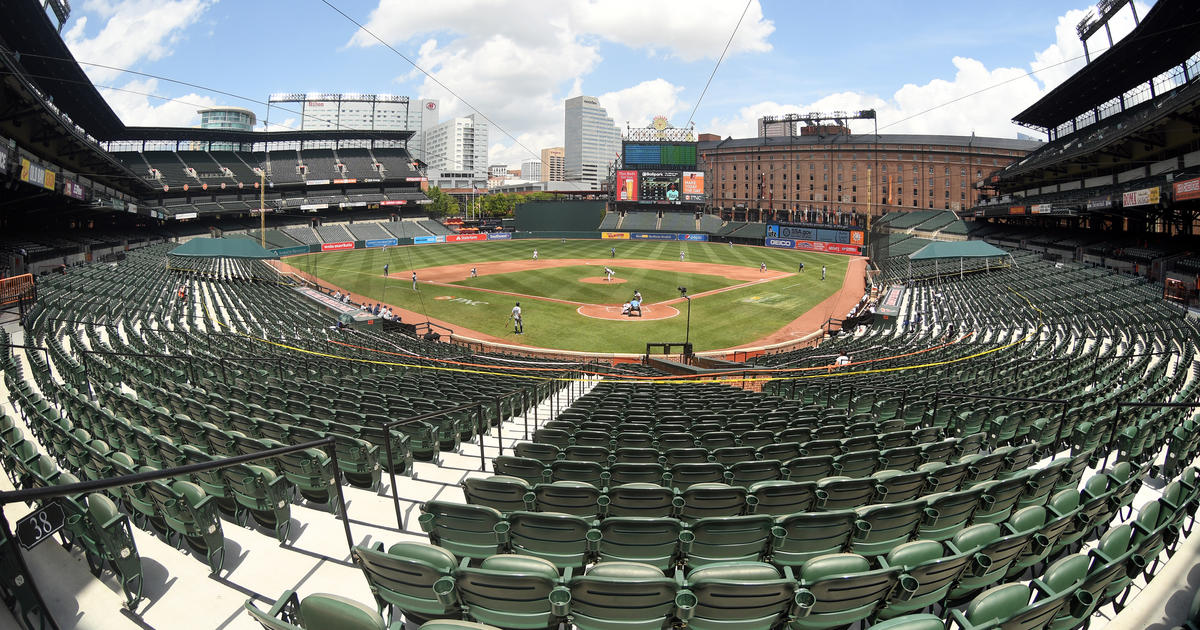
x: 552, y: 165
x: 593, y: 142
x: 458, y: 145
x: 361, y: 112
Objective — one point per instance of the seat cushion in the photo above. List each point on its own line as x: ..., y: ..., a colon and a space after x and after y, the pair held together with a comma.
x: 833, y: 564
x: 632, y: 570
x: 322, y: 610
x: 519, y: 564
x: 740, y: 571
x: 435, y: 556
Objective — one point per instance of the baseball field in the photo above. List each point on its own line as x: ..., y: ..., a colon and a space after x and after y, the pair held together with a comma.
x: 568, y: 303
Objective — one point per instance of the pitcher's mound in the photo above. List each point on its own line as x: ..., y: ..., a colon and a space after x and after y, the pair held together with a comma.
x: 613, y: 311
x: 590, y: 280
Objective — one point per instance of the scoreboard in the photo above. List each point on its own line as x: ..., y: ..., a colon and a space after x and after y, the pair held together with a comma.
x: 676, y: 154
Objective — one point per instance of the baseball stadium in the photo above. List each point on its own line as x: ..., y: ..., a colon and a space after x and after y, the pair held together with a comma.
x: 251, y: 380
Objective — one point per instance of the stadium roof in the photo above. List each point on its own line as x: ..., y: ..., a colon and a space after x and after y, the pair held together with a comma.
x: 1167, y: 36
x: 233, y: 135
x: 221, y: 248
x: 870, y: 138
x: 957, y: 249
x: 27, y: 30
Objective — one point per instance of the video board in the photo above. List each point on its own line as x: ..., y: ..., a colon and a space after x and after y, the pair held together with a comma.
x: 682, y: 155
x: 661, y: 187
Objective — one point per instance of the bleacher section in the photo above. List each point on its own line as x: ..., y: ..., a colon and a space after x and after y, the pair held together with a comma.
x: 333, y: 233
x: 320, y: 164
x: 283, y: 167
x: 170, y: 168
x: 359, y: 163
x: 367, y: 231
x: 884, y: 476
x: 433, y: 227
x: 304, y: 234
x: 610, y: 221
x: 397, y: 163
x: 678, y: 222
x: 640, y: 222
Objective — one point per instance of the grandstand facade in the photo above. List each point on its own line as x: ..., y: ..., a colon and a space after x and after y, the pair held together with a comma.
x: 780, y: 176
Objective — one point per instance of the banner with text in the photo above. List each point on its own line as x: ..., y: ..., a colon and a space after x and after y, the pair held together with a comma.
x: 425, y: 240
x: 462, y: 238
x: 813, y: 246
x: 499, y: 236
x: 1187, y: 189
x: 615, y: 236
x: 291, y: 251
x: 380, y: 242
x: 1143, y: 197
x: 334, y: 247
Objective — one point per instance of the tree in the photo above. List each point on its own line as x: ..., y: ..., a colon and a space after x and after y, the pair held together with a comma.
x: 443, y: 205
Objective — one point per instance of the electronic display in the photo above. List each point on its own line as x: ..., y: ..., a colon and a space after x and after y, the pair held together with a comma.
x: 661, y: 187
x: 659, y: 154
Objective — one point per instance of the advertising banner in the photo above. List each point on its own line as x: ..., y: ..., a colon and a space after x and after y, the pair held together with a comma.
x: 828, y: 248
x: 393, y: 202
x: 1101, y: 203
x: 856, y: 237
x: 462, y: 238
x: 1187, y: 189
x: 349, y: 180
x: 72, y: 189
x: 414, y: 179
x: 423, y: 240
x: 333, y: 247
x: 1039, y: 208
x: 35, y: 174
x: 291, y: 251
x: 627, y: 186
x: 380, y: 242
x: 693, y: 237
x: 785, y: 243
x: 185, y: 215
x: 499, y: 236
x: 1016, y: 210
x: 614, y: 236
x: 693, y: 187
x: 316, y: 182
x: 660, y: 187
x: 1143, y: 197
x: 652, y: 236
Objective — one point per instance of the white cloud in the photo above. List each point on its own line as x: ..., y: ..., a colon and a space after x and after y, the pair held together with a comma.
x: 639, y: 104
x: 976, y: 99
x: 132, y: 31
x: 136, y: 106
x: 517, y: 60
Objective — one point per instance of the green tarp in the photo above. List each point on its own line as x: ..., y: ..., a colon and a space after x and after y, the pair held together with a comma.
x: 222, y: 248
x: 957, y: 249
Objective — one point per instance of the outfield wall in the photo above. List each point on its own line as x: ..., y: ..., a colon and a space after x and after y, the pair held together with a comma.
x: 556, y: 216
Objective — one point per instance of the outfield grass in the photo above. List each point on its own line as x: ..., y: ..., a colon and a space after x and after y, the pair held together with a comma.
x: 722, y: 320
x: 563, y: 283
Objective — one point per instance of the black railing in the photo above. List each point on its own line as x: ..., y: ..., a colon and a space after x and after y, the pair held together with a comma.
x: 50, y: 492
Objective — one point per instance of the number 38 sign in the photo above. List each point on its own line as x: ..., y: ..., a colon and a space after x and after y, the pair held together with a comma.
x: 39, y: 525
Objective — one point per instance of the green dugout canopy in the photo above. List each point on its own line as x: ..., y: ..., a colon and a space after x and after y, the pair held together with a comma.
x: 957, y: 249
x: 222, y: 248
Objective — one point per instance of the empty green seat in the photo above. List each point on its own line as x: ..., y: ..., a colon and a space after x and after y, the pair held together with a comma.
x: 929, y: 573
x: 319, y: 611
x: 652, y: 541
x: 727, y: 538
x: 405, y: 579
x: 564, y: 539
x: 839, y: 589
x: 506, y: 494
x: 622, y: 596
x: 805, y: 535
x: 467, y: 531
x: 736, y: 596
x: 1013, y: 606
x: 512, y: 592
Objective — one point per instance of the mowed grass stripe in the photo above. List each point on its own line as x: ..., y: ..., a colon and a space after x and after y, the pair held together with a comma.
x: 726, y: 319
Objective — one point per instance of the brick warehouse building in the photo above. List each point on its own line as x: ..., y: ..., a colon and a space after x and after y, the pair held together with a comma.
x: 764, y: 178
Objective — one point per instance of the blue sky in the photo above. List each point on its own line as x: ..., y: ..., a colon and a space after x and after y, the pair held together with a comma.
x: 517, y: 60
